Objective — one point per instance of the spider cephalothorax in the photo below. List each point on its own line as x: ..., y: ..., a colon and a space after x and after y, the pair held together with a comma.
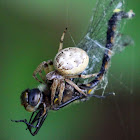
x: 68, y: 63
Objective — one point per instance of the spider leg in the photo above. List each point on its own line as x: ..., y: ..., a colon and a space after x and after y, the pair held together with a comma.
x: 75, y: 86
x: 46, y: 66
x: 82, y: 76
x: 62, y: 87
x: 61, y: 40
x: 53, y: 89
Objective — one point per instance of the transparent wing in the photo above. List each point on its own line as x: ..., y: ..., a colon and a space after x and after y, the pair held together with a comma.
x: 99, y: 21
x: 123, y: 42
x: 95, y: 39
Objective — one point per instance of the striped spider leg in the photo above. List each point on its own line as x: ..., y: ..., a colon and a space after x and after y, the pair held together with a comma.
x: 44, y: 66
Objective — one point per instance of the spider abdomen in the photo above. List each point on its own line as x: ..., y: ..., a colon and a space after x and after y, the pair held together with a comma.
x: 71, y: 61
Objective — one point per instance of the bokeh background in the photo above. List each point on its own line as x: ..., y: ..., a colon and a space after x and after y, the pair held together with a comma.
x: 30, y: 32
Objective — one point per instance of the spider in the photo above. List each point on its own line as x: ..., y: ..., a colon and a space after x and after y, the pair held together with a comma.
x: 68, y: 63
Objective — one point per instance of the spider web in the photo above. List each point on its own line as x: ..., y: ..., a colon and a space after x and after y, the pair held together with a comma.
x: 95, y: 39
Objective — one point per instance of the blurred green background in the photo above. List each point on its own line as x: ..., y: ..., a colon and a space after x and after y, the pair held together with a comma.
x: 30, y: 33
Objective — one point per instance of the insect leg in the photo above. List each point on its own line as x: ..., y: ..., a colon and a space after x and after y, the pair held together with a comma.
x: 79, y: 97
x: 24, y: 121
x: 38, y: 120
x: 68, y: 102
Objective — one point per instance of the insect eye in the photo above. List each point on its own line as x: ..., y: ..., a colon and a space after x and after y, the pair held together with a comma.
x: 34, y: 97
x: 24, y: 97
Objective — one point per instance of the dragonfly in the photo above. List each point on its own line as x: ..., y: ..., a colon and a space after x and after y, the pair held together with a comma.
x: 101, y: 42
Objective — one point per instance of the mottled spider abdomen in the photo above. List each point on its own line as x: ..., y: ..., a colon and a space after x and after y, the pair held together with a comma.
x: 71, y: 61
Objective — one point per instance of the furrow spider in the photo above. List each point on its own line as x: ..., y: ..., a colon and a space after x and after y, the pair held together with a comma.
x: 68, y: 63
